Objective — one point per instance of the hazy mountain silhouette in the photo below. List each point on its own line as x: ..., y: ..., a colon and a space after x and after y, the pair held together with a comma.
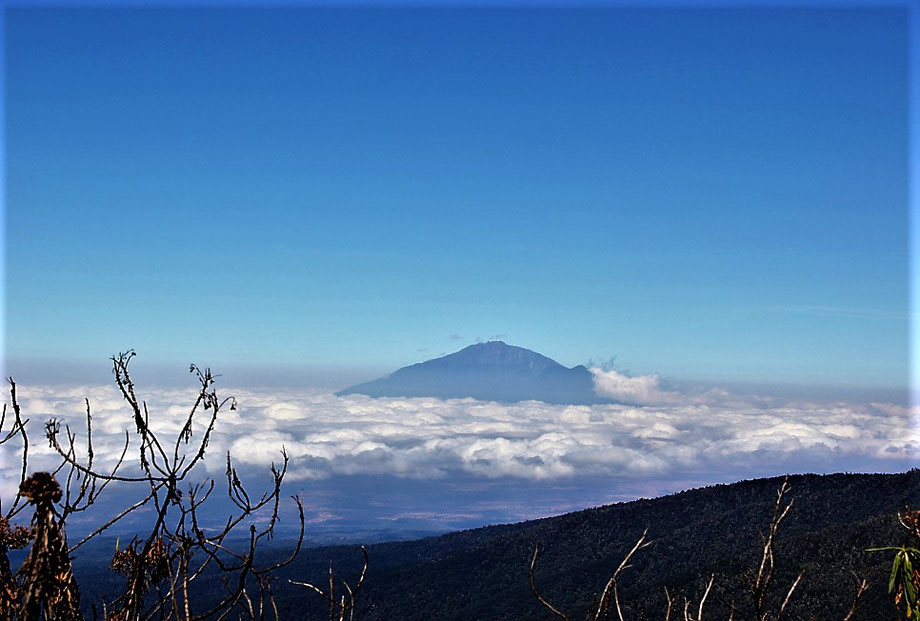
x: 493, y: 371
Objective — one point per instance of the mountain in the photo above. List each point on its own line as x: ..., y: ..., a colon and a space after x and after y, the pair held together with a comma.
x: 482, y: 573
x: 493, y: 371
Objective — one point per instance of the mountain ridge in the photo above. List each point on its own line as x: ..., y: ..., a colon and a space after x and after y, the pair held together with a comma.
x: 490, y: 371
x: 482, y: 573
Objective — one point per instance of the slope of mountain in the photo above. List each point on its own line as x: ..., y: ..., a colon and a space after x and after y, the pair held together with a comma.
x: 483, y: 573
x: 492, y: 371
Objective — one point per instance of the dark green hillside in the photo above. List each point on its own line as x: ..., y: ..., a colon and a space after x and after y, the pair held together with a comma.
x: 482, y: 573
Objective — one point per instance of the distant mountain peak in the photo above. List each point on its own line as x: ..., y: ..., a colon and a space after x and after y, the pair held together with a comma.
x: 496, y: 353
x: 490, y: 371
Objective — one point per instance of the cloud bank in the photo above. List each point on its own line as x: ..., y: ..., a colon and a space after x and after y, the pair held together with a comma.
x: 423, y: 438
x: 650, y: 390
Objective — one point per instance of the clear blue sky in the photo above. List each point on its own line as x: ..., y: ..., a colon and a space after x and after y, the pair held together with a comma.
x: 718, y: 195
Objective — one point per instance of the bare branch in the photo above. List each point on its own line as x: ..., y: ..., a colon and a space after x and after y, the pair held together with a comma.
x: 533, y: 587
x: 611, y: 586
x: 767, y: 566
x: 861, y: 586
x: 782, y: 608
x: 699, y: 614
x: 343, y: 605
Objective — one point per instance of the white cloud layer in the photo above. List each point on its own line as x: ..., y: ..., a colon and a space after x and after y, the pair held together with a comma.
x: 425, y: 438
x: 648, y: 390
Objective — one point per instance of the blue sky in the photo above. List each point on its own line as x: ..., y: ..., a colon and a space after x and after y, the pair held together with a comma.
x: 714, y: 195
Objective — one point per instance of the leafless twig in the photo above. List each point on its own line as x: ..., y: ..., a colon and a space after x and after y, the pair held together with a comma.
x: 342, y: 605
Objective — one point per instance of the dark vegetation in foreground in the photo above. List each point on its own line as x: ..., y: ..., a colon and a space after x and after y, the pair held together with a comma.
x: 741, y: 548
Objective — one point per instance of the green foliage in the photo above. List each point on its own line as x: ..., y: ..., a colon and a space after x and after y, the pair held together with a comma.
x: 904, y: 581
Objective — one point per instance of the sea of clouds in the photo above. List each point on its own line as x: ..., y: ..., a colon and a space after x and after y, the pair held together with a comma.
x: 669, y: 434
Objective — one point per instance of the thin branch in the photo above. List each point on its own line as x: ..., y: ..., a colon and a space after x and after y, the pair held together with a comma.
x: 795, y: 584
x: 533, y: 587
x: 699, y: 614
x: 612, y: 583
x: 861, y: 586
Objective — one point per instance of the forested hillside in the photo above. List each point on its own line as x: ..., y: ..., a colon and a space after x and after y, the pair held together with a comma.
x: 483, y: 573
